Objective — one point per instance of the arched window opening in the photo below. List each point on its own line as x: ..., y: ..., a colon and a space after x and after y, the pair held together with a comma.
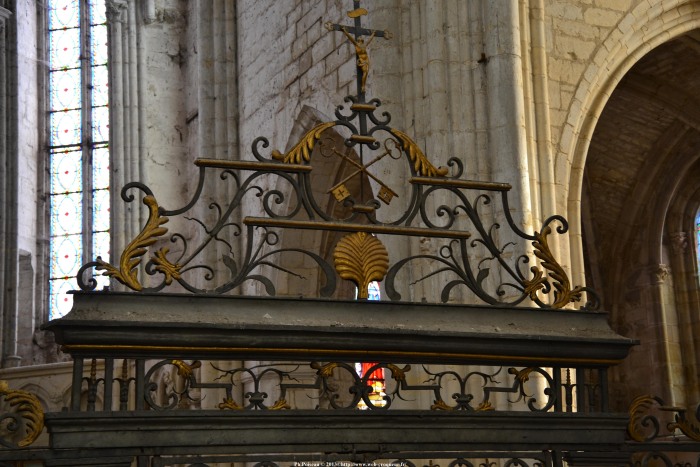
x: 78, y: 144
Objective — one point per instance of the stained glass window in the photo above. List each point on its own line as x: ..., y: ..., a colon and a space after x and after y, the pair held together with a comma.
x: 79, y: 150
x: 376, y: 379
x: 697, y: 238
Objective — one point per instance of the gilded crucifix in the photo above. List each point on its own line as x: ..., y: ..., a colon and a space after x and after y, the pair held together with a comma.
x: 359, y: 42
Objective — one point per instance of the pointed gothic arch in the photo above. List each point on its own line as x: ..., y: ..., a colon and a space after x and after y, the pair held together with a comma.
x: 637, y: 33
x: 641, y: 169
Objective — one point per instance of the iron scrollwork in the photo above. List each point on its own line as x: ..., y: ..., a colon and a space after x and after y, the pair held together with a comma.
x: 172, y: 385
x: 278, y: 186
x: 176, y: 394
x: 22, y: 421
x: 645, y: 425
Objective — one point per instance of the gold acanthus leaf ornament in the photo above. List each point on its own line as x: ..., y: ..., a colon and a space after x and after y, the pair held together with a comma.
x: 229, y: 404
x: 302, y: 150
x: 163, y: 265
x: 563, y: 293
x: 361, y: 258
x: 185, y: 370
x: 127, y: 273
x: 688, y: 426
x: 639, y: 412
x: 324, y: 371
x: 29, y: 409
x: 421, y: 164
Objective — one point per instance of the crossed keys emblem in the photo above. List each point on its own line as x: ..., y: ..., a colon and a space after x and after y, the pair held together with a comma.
x: 340, y: 190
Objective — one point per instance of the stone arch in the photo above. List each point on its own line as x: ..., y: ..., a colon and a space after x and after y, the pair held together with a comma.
x: 640, y: 31
x: 634, y: 169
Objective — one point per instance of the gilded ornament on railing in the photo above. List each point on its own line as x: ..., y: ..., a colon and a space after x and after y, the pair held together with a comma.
x: 521, y: 376
x: 640, y: 418
x: 398, y: 374
x: 421, y: 164
x: 688, y: 424
x: 163, y: 265
x: 301, y: 152
x: 324, y: 371
x: 644, y: 425
x: 441, y: 405
x: 563, y: 293
x: 280, y: 405
x: 485, y: 406
x: 229, y: 404
x: 282, y: 190
x: 29, y: 410
x: 185, y: 370
x: 127, y: 273
x: 361, y: 258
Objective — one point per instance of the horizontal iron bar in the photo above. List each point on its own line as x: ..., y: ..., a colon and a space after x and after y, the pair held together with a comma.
x: 348, y: 227
x: 251, y: 165
x: 471, y: 184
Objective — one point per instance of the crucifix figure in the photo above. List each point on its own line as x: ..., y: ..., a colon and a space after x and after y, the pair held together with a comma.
x: 361, y: 52
x: 359, y: 42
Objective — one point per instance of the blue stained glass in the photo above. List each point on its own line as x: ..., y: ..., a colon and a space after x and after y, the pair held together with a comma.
x: 64, y: 14
x: 98, y: 45
x: 100, y: 124
x: 373, y: 292
x: 65, y: 89
x: 66, y: 214
x: 60, y: 302
x: 100, y: 210
x: 100, y: 167
x: 66, y: 171
x: 697, y: 237
x: 65, y: 127
x: 64, y: 49
x: 66, y: 255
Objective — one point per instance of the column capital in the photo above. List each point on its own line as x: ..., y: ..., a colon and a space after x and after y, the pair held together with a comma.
x: 679, y: 242
x: 660, y: 273
x: 4, y: 16
x: 115, y: 9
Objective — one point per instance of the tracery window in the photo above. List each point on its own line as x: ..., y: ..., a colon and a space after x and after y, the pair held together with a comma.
x: 78, y: 143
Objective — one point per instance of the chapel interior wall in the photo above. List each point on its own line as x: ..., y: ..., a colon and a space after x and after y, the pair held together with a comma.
x: 430, y: 77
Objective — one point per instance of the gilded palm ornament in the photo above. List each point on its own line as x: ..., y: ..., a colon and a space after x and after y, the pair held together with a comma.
x: 361, y: 258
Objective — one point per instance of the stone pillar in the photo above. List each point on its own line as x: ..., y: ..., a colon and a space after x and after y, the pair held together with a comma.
x: 8, y: 185
x: 686, y: 299
x: 215, y: 117
x: 126, y: 123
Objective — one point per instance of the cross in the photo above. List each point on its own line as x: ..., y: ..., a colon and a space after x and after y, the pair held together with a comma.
x: 360, y: 45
